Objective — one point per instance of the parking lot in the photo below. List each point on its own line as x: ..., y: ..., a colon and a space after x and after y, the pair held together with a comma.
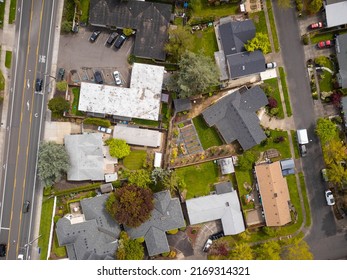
x: 83, y: 58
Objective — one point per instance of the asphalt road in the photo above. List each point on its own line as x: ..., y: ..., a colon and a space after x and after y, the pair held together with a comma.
x: 324, y: 233
x: 32, y: 58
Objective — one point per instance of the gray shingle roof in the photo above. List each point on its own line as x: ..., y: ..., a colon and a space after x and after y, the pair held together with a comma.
x: 235, y: 118
x: 344, y: 108
x: 341, y: 54
x: 182, y: 104
x: 223, y: 187
x: 245, y: 63
x: 150, y: 20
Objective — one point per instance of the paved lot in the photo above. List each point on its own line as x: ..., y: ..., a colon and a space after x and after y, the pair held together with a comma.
x: 77, y: 53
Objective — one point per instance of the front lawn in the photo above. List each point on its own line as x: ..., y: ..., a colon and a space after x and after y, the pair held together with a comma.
x: 273, y: 83
x: 285, y: 91
x: 208, y: 135
x: 325, y: 77
x: 85, y: 11
x: 76, y: 98
x: 45, y: 226
x: 199, y: 179
x: 204, y: 42
x: 135, y: 159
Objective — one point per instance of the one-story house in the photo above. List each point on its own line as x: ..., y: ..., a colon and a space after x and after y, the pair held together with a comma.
x: 150, y: 20
x: 235, y: 118
x: 274, y: 194
x: 335, y: 12
x: 341, y: 55
x: 141, y: 100
x: 224, y: 205
x: 232, y: 58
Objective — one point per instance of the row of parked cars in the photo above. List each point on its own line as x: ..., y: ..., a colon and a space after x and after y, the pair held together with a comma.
x: 114, y: 39
x: 99, y: 79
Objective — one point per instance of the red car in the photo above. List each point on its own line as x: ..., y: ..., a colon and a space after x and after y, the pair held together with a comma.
x: 325, y: 44
x: 316, y: 25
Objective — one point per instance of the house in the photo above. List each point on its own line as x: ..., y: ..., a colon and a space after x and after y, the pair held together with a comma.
x: 232, y: 58
x: 287, y: 166
x: 86, y: 157
x: 335, y: 12
x: 223, y: 205
x: 226, y: 165
x: 344, y: 109
x: 150, y: 20
x: 274, y: 194
x: 93, y: 235
x: 141, y: 100
x: 235, y: 118
x: 182, y: 105
x: 341, y: 55
x: 138, y: 136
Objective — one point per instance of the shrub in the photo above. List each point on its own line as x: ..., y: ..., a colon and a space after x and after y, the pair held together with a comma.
x: 166, y: 254
x: 274, y: 111
x: 305, y: 39
x: 180, y: 125
x: 272, y: 102
x: 127, y: 31
x: 61, y: 86
x: 279, y: 139
x: 56, y: 218
x: 336, y: 99
x: 97, y: 121
x: 140, y: 239
x: 315, y: 95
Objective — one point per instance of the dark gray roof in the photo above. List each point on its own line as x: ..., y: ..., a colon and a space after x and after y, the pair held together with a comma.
x: 150, y: 20
x: 235, y: 118
x: 182, y: 105
x: 245, y: 63
x: 287, y: 164
x: 329, y: 2
x: 235, y: 34
x: 341, y: 54
x: 106, y: 188
x: 344, y: 108
x: 223, y: 187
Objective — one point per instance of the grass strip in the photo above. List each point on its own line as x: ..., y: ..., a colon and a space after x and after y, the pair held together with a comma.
x: 8, y: 59
x: 285, y: 92
x: 12, y: 15
x: 305, y: 198
x: 272, y: 25
x: 45, y: 227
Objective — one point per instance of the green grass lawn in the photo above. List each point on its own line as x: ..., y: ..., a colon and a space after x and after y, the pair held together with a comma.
x: 260, y: 22
x: 76, y: 98
x: 208, y: 135
x: 325, y: 80
x: 2, y: 81
x: 305, y: 198
x: 202, y: 12
x: 243, y: 176
x: 2, y: 13
x: 285, y: 91
x: 146, y: 122
x: 45, y: 226
x: 135, y: 160
x: 60, y: 252
x: 8, y: 59
x: 317, y: 37
x: 276, y: 94
x: 205, y: 42
x: 12, y: 15
x: 85, y: 10
x: 295, y: 143
x: 199, y: 178
x: 273, y: 25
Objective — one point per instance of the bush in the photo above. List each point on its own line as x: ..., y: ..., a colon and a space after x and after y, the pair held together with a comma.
x: 315, y: 95
x: 166, y: 254
x: 61, y: 86
x: 56, y: 218
x: 97, y: 121
x: 127, y: 31
x: 274, y: 111
x: 272, y: 102
x: 140, y: 239
x: 173, y: 231
x: 305, y: 39
x: 66, y: 26
x: 279, y: 139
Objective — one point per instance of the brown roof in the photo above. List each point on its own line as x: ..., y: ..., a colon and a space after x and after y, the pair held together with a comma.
x: 274, y: 193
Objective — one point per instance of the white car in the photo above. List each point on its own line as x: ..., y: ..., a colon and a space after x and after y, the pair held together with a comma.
x: 116, y: 77
x: 329, y: 197
x: 207, y: 245
x: 271, y: 65
x: 104, y: 129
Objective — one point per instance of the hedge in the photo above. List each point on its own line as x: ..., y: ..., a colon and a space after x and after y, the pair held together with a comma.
x: 77, y: 189
x: 96, y: 121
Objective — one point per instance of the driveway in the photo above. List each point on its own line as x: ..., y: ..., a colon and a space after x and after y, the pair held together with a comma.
x: 77, y: 53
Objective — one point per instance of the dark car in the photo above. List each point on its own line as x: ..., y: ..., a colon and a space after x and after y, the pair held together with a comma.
x: 61, y: 74
x: 94, y: 36
x: 98, y: 77
x: 120, y: 41
x: 38, y: 85
x: 217, y: 235
x: 111, y: 38
x: 26, y: 206
x: 3, y: 248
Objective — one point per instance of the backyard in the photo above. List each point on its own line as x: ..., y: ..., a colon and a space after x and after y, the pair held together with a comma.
x: 208, y: 135
x: 205, y: 42
x: 135, y: 160
x: 199, y: 179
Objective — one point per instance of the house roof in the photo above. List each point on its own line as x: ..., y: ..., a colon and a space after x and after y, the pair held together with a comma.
x: 224, y: 206
x: 287, y: 164
x: 183, y: 104
x: 150, y: 20
x: 341, y: 54
x: 86, y: 157
x: 106, y: 188
x: 235, y: 116
x: 344, y: 106
x: 141, y: 100
x: 336, y: 13
x: 274, y: 194
x: 226, y: 165
x: 245, y: 63
x: 138, y: 136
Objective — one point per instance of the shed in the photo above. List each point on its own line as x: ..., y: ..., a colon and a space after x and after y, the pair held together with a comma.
x: 106, y: 188
x: 287, y: 166
x: 157, y: 159
x: 226, y: 165
x: 111, y: 177
x: 182, y: 105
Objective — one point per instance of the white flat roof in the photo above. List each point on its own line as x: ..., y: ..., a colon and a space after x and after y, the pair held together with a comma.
x: 157, y: 159
x: 138, y: 136
x: 141, y: 100
x: 336, y: 14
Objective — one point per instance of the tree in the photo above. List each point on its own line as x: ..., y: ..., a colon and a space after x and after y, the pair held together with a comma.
x: 246, y: 161
x: 272, y: 102
x: 259, y: 42
x: 269, y: 251
x: 66, y: 26
x: 140, y: 178
x: 337, y: 174
x: 241, y: 251
x: 130, y: 205
x: 315, y: 6
x: 118, y: 148
x: 58, y: 105
x: 334, y: 152
x: 129, y: 249
x: 197, y: 74
x: 326, y: 130
x: 127, y: 31
x: 299, y: 250
x: 61, y: 86
x: 179, y: 41
x: 173, y: 182
x: 53, y: 162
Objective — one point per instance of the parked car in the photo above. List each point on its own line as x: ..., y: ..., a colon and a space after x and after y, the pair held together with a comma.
x: 217, y: 235
x: 38, y: 85
x: 94, y: 36
x: 120, y: 41
x: 105, y: 130
x: 207, y: 245
x: 3, y: 248
x: 98, y: 77
x: 325, y: 44
x: 111, y: 38
x: 303, y: 150
x: 271, y: 65
x: 329, y: 197
x: 116, y: 77
x: 316, y: 25
x: 324, y: 175
x: 61, y: 74
x: 26, y: 206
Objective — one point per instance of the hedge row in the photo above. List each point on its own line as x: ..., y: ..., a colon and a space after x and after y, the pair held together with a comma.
x: 96, y: 121
x: 77, y: 189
